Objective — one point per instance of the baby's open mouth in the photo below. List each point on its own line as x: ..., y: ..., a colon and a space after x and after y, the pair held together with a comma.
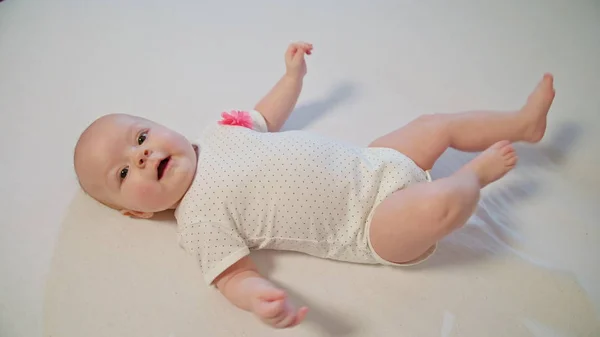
x: 162, y: 166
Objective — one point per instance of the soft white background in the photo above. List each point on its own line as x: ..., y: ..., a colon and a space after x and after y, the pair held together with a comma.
x: 376, y: 65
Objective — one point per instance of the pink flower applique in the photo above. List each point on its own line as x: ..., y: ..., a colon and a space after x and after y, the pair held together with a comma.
x: 236, y: 117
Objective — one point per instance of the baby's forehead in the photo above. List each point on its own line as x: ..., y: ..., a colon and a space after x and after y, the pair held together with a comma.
x: 112, y: 122
x: 108, y: 131
x: 101, y: 129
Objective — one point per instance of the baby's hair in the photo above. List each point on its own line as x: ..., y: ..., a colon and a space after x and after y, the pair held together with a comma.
x: 76, y: 150
x: 84, y: 190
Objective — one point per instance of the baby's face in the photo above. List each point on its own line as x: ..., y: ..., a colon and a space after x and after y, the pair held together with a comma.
x: 134, y: 164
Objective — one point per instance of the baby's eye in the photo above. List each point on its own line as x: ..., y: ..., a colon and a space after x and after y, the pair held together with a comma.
x: 124, y: 173
x: 142, y: 137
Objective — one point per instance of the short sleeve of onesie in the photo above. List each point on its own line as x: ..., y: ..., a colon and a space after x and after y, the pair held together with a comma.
x: 216, y: 246
x: 238, y: 117
x: 258, y: 121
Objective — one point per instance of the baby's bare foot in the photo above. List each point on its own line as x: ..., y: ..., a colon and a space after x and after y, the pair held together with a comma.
x: 493, y: 163
x: 536, y: 109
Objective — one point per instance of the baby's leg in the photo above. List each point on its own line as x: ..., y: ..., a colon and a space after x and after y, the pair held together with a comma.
x: 425, y: 139
x: 412, y: 220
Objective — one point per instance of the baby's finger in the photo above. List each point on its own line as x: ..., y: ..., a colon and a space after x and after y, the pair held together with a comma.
x: 294, y: 46
x: 299, y: 55
x: 279, y: 319
x: 297, y: 318
x: 291, y: 47
x: 304, y: 44
x: 289, y: 53
x: 286, y: 321
x: 269, y: 309
x: 307, y: 47
x: 286, y: 311
x: 300, y: 316
x: 290, y: 316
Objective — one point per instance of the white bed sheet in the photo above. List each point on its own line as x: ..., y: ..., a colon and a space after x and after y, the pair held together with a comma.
x: 527, y: 264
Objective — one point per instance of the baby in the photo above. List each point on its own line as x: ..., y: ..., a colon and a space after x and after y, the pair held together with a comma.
x: 244, y: 185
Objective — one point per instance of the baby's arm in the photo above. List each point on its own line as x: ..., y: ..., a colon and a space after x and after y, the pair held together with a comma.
x: 278, y: 104
x: 243, y: 286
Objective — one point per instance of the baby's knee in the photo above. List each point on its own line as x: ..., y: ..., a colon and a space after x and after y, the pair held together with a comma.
x: 426, y: 118
x: 434, y: 124
x: 432, y: 119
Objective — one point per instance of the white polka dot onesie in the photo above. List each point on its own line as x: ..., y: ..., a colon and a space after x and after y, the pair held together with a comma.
x: 290, y: 190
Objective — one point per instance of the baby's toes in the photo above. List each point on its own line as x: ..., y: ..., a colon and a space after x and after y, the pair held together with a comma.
x: 500, y: 145
x: 507, y: 150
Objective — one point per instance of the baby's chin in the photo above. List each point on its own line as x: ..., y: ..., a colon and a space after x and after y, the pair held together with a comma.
x: 182, y: 178
x: 178, y: 189
x: 158, y: 200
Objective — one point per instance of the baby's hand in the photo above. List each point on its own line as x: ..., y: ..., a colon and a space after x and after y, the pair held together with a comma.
x: 294, y: 59
x: 273, y: 307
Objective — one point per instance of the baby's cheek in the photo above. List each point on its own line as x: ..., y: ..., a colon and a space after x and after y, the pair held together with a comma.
x: 143, y: 196
x: 145, y: 191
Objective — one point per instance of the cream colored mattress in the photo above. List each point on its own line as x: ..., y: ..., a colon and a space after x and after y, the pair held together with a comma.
x: 502, y: 275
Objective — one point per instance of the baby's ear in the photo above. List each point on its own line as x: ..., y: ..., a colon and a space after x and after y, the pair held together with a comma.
x: 136, y: 214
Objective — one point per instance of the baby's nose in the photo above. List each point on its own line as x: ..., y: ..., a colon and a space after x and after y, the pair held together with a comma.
x: 143, y: 157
